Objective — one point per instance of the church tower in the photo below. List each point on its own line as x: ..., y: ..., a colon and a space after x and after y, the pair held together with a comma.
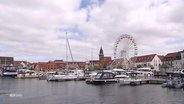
x: 101, y: 55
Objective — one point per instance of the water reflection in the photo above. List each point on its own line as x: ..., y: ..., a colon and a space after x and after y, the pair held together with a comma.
x: 33, y: 91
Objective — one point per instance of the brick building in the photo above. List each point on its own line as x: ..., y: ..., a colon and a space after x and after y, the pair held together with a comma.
x: 102, y: 63
x: 4, y: 61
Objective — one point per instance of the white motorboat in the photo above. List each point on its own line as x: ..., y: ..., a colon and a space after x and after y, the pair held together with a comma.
x: 9, y: 71
x: 102, y: 78
x: 144, y: 73
x: 120, y: 73
x: 26, y: 73
x: 66, y: 75
x: 61, y: 78
x: 129, y: 81
x: 174, y: 81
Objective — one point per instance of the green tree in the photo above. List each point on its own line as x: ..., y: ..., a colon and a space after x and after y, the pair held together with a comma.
x: 31, y: 68
x: 139, y: 66
x: 165, y: 66
x: 119, y: 66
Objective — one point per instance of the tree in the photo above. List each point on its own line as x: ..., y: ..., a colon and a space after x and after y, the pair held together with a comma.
x: 119, y: 66
x: 165, y: 66
x: 31, y: 68
x: 139, y: 66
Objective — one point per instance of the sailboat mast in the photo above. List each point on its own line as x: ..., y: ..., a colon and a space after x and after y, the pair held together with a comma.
x: 68, y: 44
x: 66, y: 48
x: 66, y: 52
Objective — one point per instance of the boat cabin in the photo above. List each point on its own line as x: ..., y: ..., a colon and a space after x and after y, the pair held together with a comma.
x: 9, y: 71
x: 105, y: 75
x: 102, y: 78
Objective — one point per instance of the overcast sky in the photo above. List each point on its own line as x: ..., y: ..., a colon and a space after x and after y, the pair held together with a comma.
x: 35, y: 30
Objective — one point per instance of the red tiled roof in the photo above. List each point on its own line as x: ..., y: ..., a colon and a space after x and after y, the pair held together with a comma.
x: 58, y: 61
x: 171, y: 54
x: 145, y: 58
x: 161, y: 58
x: 17, y: 63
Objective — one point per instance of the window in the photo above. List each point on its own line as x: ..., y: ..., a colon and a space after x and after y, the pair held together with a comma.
x: 105, y: 76
x: 98, y: 75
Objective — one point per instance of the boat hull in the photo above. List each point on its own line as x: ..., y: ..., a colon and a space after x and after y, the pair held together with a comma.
x: 9, y: 75
x: 101, y: 82
x: 132, y: 82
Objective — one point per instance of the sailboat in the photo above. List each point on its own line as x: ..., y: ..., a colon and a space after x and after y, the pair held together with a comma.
x: 67, y: 75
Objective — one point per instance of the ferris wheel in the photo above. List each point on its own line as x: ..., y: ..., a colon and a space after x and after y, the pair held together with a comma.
x: 125, y: 48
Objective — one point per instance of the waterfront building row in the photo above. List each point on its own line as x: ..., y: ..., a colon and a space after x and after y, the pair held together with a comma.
x: 153, y: 61
x: 4, y: 61
x: 174, y: 60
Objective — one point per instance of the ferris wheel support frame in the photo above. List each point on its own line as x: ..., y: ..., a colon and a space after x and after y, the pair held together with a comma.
x: 124, y: 52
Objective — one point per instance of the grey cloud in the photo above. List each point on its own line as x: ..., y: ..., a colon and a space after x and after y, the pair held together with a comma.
x: 31, y: 27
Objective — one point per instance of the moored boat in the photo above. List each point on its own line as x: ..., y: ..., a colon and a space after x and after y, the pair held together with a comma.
x: 66, y: 75
x: 10, y: 71
x: 144, y: 73
x: 175, y: 80
x: 120, y: 74
x: 130, y: 81
x: 102, y: 78
x: 26, y: 73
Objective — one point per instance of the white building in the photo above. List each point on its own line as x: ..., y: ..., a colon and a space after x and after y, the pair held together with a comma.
x: 153, y: 61
x: 175, y: 59
x: 182, y: 59
x: 178, y: 63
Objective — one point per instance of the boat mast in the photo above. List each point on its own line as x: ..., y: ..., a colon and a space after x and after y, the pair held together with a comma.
x: 92, y: 57
x: 68, y: 47
x: 66, y: 52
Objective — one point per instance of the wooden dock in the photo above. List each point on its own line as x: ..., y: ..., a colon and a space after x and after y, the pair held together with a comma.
x: 152, y: 81
x: 142, y: 81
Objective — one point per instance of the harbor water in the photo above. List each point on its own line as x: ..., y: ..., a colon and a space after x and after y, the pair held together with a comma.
x: 34, y: 91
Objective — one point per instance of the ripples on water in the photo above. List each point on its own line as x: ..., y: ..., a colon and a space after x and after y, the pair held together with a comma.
x: 33, y: 91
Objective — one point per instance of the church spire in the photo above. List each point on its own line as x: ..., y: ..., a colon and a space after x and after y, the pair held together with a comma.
x: 101, y: 51
x: 101, y: 55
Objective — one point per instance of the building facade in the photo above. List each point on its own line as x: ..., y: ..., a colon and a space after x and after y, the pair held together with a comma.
x: 22, y: 64
x: 153, y: 61
x: 104, y: 61
x: 175, y: 60
x: 5, y: 61
x: 182, y: 59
